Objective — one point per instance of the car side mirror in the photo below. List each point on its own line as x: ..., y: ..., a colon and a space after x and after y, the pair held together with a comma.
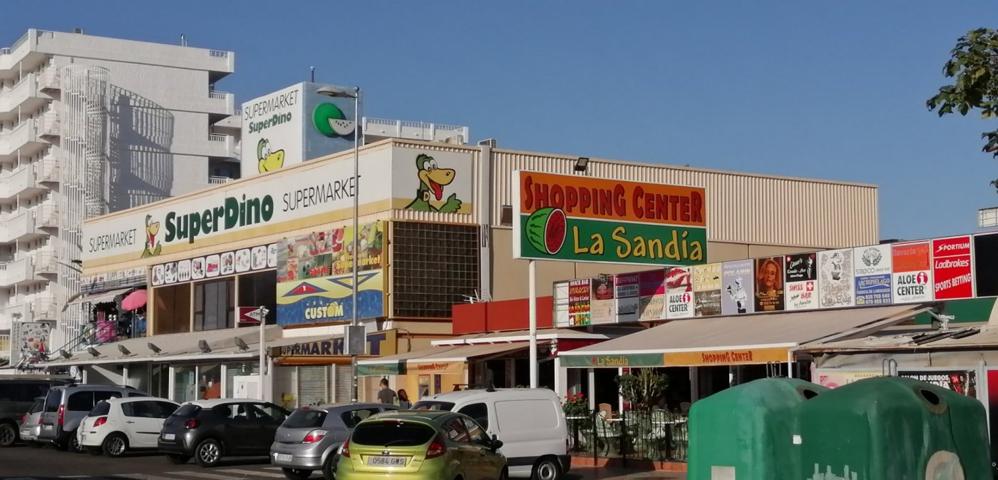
x: 496, y: 443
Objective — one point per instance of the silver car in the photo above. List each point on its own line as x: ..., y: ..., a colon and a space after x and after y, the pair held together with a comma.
x: 310, y: 437
x: 31, y: 422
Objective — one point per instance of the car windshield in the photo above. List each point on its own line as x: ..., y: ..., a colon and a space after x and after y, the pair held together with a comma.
x: 102, y: 408
x: 186, y: 411
x: 433, y: 405
x: 392, y: 432
x: 37, y: 406
x: 53, y: 399
x: 305, y: 418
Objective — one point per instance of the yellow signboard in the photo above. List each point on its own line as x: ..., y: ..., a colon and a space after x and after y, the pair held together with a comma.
x: 709, y: 358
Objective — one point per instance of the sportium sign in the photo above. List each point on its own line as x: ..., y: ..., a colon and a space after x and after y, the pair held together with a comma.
x: 585, y: 219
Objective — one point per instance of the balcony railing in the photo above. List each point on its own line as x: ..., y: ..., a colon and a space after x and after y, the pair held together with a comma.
x: 47, y: 170
x: 17, y: 181
x: 44, y: 308
x: 49, y: 78
x: 47, y: 215
x: 4, y: 348
x: 18, y: 271
x: 413, y: 130
x: 13, y: 97
x: 223, y: 102
x: 16, y: 226
x: 13, y: 140
x: 51, y: 124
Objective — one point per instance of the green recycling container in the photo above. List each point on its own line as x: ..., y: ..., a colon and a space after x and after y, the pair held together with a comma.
x: 893, y: 428
x: 745, y: 432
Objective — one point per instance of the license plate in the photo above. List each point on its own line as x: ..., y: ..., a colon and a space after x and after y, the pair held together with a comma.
x: 169, y: 436
x: 387, y: 461
x: 282, y: 457
x: 47, y: 427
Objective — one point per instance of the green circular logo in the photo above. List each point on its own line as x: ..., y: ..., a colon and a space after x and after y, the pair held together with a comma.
x: 330, y: 121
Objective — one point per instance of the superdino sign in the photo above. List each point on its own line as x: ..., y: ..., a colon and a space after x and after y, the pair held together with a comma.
x: 586, y: 219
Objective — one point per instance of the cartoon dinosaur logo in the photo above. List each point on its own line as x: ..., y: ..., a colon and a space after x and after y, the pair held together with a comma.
x: 432, y: 180
x: 152, y: 248
x: 268, y: 160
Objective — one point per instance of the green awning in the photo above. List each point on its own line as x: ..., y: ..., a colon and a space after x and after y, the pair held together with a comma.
x: 381, y: 369
x: 613, y: 361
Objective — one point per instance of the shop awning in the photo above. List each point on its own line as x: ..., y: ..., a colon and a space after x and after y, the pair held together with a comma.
x: 923, y: 338
x: 546, y: 334
x: 95, y: 298
x: 734, y: 340
x: 445, y: 359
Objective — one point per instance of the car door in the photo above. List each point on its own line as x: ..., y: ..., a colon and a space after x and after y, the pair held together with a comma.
x: 266, y: 418
x: 460, y: 442
x: 143, y: 421
x: 235, y: 427
x: 490, y: 463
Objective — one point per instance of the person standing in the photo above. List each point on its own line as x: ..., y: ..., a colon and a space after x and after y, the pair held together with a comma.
x: 404, y: 402
x: 386, y: 395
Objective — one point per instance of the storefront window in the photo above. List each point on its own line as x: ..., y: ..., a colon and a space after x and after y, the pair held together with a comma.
x: 259, y: 289
x: 160, y: 381
x: 240, y: 380
x: 213, y: 304
x: 173, y: 309
x: 183, y: 384
x: 313, y: 385
x: 209, y: 382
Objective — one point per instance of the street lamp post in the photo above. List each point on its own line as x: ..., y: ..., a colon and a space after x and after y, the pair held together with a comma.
x: 353, y: 93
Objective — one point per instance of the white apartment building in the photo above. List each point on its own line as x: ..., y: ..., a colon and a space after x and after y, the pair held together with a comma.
x: 91, y: 125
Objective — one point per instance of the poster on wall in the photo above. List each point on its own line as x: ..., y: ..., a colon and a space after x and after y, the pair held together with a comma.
x: 836, y: 377
x: 31, y: 341
x: 707, y: 289
x: 801, y: 275
x: 769, y: 284
x: 963, y: 382
x: 578, y: 302
x: 872, y: 269
x: 835, y: 278
x: 560, y: 301
x: 330, y: 299
x: 738, y: 288
x: 911, y: 265
x: 651, y: 287
x: 627, y: 293
x: 305, y: 256
x: 679, y: 293
x: 370, y: 242
x: 952, y: 273
x: 986, y: 265
x: 601, y: 305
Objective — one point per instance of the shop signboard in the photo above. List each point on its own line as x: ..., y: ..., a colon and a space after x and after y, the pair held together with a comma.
x: 601, y: 305
x: 310, y: 195
x: 959, y: 381
x: 123, y: 278
x: 740, y: 356
x: 560, y: 301
x: 835, y: 377
x: 588, y: 219
x: 739, y: 289
x: 243, y: 260
x: 381, y: 369
x: 986, y: 265
x: 679, y: 293
x: 329, y: 299
x: 911, y: 264
x: 952, y: 272
x: 376, y: 343
x: 835, y: 278
x: 872, y: 268
x: 801, y: 274
x: 579, y: 298
x: 651, y: 288
x: 612, y: 360
x: 707, y: 289
x: 292, y: 125
x: 769, y: 284
x: 627, y: 293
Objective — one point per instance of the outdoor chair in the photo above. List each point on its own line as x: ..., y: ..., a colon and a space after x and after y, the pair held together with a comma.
x: 607, y: 432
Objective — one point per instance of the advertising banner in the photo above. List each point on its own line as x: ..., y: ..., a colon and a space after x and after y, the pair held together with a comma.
x: 588, y: 219
x: 963, y: 382
x: 305, y: 256
x: 769, y: 284
x: 560, y: 301
x: 801, y: 274
x: 951, y: 268
x: 912, y: 272
x: 835, y: 278
x: 219, y: 265
x: 579, y: 298
x: 986, y: 265
x: 993, y: 411
x: 679, y: 293
x: 627, y: 292
x: 707, y: 289
x: 651, y: 287
x: 872, y: 268
x: 31, y: 341
x: 329, y: 300
x: 601, y: 306
x: 739, y: 289
x: 834, y: 377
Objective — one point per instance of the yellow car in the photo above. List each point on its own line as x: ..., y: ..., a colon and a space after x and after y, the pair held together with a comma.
x: 420, y: 445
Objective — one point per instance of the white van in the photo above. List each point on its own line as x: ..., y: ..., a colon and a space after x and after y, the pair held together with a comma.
x: 530, y: 423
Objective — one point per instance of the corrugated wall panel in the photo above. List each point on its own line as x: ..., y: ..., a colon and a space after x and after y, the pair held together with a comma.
x: 742, y: 208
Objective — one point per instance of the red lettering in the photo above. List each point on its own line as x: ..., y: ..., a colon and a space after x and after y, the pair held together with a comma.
x: 571, y: 199
x: 557, y: 196
x: 540, y: 195
x: 696, y: 205
x: 636, y: 200
x: 528, y: 196
x: 605, y: 202
x: 585, y: 200
x: 673, y: 207
x: 684, y: 209
x: 661, y: 207
x: 619, y: 202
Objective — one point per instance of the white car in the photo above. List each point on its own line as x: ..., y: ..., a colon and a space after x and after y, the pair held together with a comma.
x: 117, y: 425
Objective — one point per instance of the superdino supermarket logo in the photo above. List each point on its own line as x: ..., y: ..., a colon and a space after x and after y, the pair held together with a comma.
x: 330, y: 121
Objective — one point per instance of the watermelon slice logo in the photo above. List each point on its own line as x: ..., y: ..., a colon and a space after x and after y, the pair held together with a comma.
x: 546, y: 229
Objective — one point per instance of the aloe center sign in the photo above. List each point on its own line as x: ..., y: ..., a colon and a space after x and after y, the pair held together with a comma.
x: 585, y: 219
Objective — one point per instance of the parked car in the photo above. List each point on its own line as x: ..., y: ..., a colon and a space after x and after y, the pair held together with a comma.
x: 17, y: 393
x: 211, y: 429
x: 31, y: 423
x: 117, y: 425
x: 420, y: 445
x: 66, y: 405
x: 530, y: 423
x: 310, y: 437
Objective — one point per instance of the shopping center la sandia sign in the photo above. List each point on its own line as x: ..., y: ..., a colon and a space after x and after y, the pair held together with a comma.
x: 586, y: 219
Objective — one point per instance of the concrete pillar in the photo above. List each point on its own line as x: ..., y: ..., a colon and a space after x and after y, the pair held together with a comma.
x: 560, y: 378
x: 592, y: 388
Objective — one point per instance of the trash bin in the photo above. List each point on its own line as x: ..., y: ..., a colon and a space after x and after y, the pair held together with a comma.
x: 746, y: 432
x: 893, y: 428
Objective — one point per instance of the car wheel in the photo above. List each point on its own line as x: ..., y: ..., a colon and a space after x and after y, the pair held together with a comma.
x: 296, y: 473
x: 73, y: 443
x: 329, y: 468
x: 208, y: 453
x: 8, y: 434
x: 115, y: 445
x: 178, y: 459
x: 547, y: 468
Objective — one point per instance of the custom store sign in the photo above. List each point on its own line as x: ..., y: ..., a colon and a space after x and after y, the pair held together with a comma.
x: 585, y: 219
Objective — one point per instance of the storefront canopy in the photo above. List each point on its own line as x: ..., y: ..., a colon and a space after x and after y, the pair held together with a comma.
x: 734, y: 340
x: 95, y: 298
x: 521, y: 336
x: 445, y: 359
x: 922, y: 338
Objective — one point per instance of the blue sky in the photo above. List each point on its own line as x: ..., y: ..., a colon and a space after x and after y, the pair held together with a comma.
x: 831, y: 90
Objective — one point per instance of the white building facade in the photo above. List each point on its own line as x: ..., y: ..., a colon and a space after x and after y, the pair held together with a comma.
x: 88, y: 126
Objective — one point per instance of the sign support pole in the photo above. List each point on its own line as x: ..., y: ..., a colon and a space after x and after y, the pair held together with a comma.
x: 532, y: 267
x: 263, y: 354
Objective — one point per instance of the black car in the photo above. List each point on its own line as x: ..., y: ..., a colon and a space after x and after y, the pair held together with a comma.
x: 211, y: 429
